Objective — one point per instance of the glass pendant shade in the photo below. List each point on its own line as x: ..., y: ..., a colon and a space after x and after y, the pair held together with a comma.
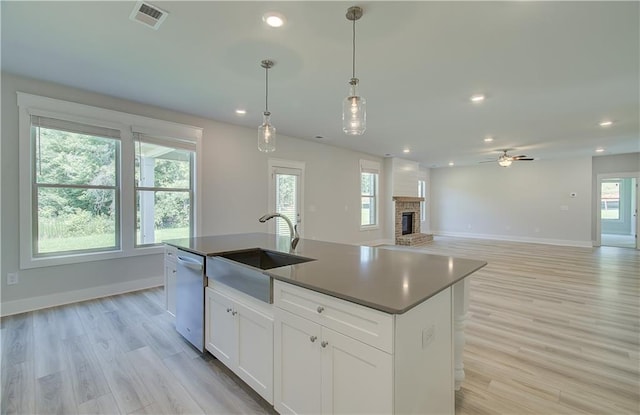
x: 504, y: 162
x: 266, y: 135
x: 354, y: 111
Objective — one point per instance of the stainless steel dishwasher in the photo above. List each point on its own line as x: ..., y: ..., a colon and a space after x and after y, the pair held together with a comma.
x: 190, y: 283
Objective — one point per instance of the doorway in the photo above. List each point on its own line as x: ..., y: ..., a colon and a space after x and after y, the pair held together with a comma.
x: 286, y: 179
x: 618, y: 211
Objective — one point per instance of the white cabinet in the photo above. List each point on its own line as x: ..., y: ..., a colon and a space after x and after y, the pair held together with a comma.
x: 170, y: 271
x: 332, y: 356
x: 239, y: 332
x: 318, y: 370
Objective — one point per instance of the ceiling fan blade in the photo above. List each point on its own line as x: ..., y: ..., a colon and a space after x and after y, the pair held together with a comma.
x: 488, y: 161
x: 519, y: 157
x: 524, y: 159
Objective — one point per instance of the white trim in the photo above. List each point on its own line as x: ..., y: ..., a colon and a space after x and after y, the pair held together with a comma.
x: 45, y: 301
x: 545, y: 241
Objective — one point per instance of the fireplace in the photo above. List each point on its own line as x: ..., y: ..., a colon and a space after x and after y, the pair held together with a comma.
x: 407, y: 223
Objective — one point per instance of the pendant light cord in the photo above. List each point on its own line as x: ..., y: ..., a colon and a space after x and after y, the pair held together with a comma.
x: 354, y: 48
x: 266, y: 89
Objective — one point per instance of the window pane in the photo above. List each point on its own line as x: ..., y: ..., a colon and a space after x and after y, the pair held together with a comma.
x: 162, y: 215
x: 368, y: 184
x: 286, y: 201
x: 71, y: 158
x: 159, y: 166
x: 368, y: 209
x: 71, y: 219
x: 610, y: 200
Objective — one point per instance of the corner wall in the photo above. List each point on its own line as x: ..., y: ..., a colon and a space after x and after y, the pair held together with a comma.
x: 529, y: 201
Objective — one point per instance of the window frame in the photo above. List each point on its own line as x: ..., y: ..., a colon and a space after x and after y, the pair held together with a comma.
x: 372, y: 167
x: 29, y: 105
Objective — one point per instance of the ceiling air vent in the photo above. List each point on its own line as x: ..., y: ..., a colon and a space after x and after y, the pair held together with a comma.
x: 148, y: 14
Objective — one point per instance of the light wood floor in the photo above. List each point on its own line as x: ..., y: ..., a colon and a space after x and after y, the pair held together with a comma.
x: 551, y: 330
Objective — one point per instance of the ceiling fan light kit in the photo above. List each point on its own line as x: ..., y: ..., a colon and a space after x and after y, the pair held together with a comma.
x: 354, y: 106
x: 505, y: 160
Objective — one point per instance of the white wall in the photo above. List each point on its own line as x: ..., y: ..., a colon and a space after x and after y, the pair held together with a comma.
x: 524, y: 202
x: 425, y: 174
x: 234, y: 195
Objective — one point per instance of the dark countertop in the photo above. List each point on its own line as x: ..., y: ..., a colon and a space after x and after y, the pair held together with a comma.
x: 392, y: 281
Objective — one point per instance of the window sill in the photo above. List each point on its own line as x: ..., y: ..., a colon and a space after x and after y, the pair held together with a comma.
x: 369, y: 228
x: 29, y: 263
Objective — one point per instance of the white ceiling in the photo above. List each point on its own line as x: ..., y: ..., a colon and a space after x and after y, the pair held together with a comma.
x: 551, y: 71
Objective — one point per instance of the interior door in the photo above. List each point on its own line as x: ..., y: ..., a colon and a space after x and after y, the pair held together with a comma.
x: 287, y: 197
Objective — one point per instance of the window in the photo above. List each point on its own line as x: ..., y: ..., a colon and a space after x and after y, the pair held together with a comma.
x: 97, y: 184
x: 422, y: 192
x: 164, y: 189
x: 610, y: 199
x: 75, y: 187
x: 369, y: 172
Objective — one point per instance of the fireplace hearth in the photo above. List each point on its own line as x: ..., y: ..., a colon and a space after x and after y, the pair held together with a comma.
x: 407, y: 221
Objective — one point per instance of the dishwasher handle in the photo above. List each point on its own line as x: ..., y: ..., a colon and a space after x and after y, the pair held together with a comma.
x: 190, y: 263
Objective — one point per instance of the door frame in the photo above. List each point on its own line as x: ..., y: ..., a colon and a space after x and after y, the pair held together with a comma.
x: 274, y: 163
x: 605, y: 176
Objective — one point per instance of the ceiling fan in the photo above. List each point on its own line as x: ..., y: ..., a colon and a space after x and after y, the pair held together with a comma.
x: 505, y: 159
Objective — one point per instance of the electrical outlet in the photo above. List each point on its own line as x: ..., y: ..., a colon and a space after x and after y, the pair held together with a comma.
x: 428, y: 335
x: 12, y: 278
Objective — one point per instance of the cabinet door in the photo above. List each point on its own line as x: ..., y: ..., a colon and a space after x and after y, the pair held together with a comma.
x: 255, y: 350
x: 297, y: 365
x: 356, y: 378
x: 220, y: 333
x: 170, y: 286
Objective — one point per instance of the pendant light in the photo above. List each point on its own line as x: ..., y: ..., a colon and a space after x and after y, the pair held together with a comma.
x: 266, y: 131
x: 354, y: 107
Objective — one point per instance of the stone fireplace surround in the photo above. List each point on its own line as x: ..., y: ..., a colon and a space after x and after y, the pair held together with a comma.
x: 409, y: 204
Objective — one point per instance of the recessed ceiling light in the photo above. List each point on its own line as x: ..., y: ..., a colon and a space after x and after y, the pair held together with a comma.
x: 241, y: 111
x: 606, y: 123
x: 488, y: 139
x: 477, y: 98
x: 451, y: 163
x: 273, y: 19
x: 599, y: 150
x: 406, y: 150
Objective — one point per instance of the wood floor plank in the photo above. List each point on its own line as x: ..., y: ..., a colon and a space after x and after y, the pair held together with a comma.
x: 170, y: 396
x: 18, y: 389
x: 103, y: 405
x: 213, y: 389
x: 50, y: 359
x: 87, y: 378
x: 17, y: 339
x: 54, y: 394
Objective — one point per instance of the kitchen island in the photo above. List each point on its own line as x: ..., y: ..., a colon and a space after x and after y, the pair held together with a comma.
x: 353, y: 329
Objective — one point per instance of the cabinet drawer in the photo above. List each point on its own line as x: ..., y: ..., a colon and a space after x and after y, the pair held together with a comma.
x: 370, y: 326
x: 170, y: 253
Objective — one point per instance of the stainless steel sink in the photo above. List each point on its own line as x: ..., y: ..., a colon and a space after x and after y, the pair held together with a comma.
x: 242, y: 270
x: 262, y: 259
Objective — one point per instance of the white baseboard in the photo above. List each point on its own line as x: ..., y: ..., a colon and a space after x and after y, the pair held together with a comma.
x: 377, y: 242
x: 545, y: 241
x: 45, y: 301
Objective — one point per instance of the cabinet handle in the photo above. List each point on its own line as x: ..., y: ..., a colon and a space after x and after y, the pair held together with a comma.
x: 324, y: 344
x: 233, y: 313
x: 313, y: 338
x: 320, y: 309
x: 229, y: 310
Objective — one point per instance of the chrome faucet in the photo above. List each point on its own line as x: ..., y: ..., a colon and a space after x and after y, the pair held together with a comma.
x: 293, y: 230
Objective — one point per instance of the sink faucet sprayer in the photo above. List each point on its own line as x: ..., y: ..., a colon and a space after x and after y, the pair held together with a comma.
x: 293, y: 230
